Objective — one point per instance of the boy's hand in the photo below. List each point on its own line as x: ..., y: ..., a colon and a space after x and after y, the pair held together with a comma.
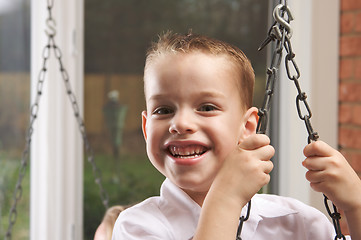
x: 243, y: 173
x: 246, y: 170
x: 330, y: 173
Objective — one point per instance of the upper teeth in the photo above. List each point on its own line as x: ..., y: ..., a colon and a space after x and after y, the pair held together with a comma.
x: 190, y: 150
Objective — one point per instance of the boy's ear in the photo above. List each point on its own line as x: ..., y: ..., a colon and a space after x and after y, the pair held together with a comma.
x: 250, y: 122
x: 144, y: 124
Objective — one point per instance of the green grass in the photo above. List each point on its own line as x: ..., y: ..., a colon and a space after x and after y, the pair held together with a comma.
x: 9, y: 173
x: 128, y: 180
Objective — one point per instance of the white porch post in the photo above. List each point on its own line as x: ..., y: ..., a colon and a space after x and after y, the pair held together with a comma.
x: 315, y: 42
x: 292, y: 131
x: 324, y: 74
x: 56, y: 205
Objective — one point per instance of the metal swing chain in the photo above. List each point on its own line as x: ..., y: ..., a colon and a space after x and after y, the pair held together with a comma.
x: 33, y: 115
x: 25, y: 156
x: 72, y: 98
x: 281, y: 32
x: 276, y: 32
x: 242, y: 219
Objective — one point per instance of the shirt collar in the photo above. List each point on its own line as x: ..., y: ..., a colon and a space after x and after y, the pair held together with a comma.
x: 179, y: 209
x: 266, y: 208
x: 261, y: 204
x: 175, y: 195
x: 262, y: 208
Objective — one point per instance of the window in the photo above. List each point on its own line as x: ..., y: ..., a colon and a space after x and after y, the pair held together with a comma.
x: 14, y: 108
x: 117, y: 34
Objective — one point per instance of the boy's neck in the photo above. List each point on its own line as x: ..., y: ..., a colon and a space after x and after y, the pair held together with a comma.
x: 198, y: 197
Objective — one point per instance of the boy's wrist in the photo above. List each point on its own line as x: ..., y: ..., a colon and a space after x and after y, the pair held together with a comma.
x: 225, y: 195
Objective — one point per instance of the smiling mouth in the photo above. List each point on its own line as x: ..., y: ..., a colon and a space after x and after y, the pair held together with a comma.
x: 190, y: 151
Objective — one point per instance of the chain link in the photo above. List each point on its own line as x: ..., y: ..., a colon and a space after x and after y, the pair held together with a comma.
x: 335, y: 216
x: 88, y: 149
x: 51, y: 32
x: 242, y: 219
x: 281, y: 32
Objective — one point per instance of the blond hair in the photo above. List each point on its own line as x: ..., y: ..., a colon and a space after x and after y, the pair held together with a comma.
x: 177, y: 43
x: 105, y: 229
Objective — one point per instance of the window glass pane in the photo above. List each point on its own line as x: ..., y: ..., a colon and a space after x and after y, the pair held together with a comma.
x: 117, y: 34
x: 14, y: 110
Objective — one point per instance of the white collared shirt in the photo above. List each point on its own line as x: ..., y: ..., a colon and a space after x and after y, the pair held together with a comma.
x: 174, y: 216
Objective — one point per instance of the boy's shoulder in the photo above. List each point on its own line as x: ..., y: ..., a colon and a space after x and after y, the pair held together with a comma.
x: 149, y: 205
x: 155, y: 217
x: 266, y: 197
x: 270, y: 205
x: 142, y: 220
x: 280, y: 217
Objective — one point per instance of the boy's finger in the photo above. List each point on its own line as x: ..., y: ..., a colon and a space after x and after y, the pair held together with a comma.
x: 315, y: 176
x: 265, y: 153
x: 268, y: 166
x: 318, y: 148
x: 315, y: 164
x: 254, y: 141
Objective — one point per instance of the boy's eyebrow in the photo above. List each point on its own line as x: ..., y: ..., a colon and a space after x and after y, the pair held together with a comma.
x: 211, y: 94
x: 157, y: 96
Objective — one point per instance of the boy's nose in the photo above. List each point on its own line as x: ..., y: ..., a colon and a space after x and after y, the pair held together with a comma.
x: 182, y: 123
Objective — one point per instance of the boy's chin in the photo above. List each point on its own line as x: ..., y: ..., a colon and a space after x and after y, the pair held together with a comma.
x: 194, y: 186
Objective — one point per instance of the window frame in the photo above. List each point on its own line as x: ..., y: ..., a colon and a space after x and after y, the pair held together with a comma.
x: 56, y: 178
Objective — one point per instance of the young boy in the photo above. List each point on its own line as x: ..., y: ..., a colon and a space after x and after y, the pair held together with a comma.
x: 199, y: 128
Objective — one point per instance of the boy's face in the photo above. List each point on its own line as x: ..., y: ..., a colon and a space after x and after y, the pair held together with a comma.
x: 194, y: 117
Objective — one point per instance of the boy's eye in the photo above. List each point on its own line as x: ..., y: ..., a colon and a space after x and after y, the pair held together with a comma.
x: 207, y: 108
x: 163, y: 111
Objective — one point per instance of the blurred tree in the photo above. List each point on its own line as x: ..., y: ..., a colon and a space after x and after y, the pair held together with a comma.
x: 117, y: 33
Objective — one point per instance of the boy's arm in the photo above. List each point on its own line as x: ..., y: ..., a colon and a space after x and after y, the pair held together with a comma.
x: 354, y: 223
x: 244, y: 172
x: 219, y: 218
x: 330, y: 173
